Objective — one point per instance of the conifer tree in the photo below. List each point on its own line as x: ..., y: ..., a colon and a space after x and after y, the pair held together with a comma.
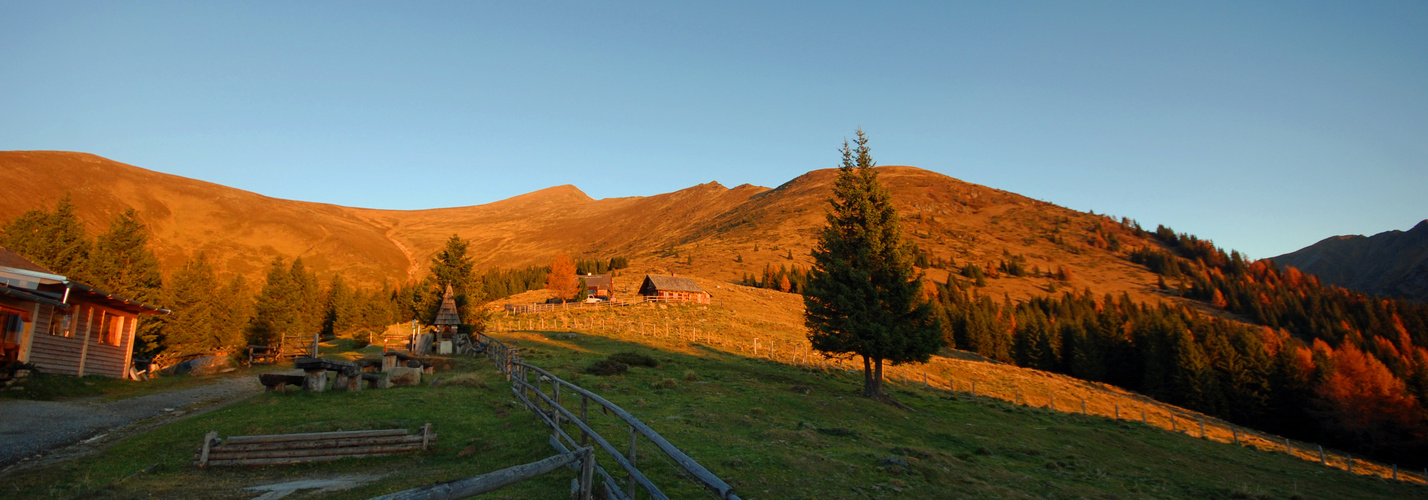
x: 54, y: 240
x: 192, y: 326
x: 122, y: 263
x: 276, y: 313
x: 862, y: 298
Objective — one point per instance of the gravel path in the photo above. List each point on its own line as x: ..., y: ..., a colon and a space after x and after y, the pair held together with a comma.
x: 32, y: 428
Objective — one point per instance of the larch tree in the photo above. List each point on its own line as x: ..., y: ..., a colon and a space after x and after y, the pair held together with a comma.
x: 862, y: 297
x: 561, y: 279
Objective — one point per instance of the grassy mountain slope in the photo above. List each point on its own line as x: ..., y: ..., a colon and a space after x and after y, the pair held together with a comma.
x: 702, y: 230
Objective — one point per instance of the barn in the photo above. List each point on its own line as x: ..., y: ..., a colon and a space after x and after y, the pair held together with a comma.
x: 672, y: 289
x: 63, y: 326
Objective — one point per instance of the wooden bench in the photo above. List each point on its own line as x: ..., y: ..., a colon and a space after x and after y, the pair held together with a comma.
x: 274, y: 449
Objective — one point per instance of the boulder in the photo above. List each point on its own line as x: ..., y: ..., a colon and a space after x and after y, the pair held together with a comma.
x: 205, y: 366
x: 401, y: 375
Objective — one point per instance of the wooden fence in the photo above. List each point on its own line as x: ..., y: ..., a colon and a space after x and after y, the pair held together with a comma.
x: 1112, y: 403
x: 541, y: 392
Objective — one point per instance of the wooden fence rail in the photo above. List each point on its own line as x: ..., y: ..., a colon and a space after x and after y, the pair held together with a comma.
x: 472, y: 486
x: 528, y: 383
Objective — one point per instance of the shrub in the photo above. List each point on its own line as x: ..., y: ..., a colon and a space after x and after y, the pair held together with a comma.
x: 667, y: 383
x: 606, y: 367
x: 690, y: 376
x: 634, y: 359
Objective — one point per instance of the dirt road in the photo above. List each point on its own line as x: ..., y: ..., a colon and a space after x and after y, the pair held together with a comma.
x: 34, y: 432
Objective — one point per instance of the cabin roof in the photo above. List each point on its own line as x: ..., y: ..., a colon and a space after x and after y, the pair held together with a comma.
x: 15, y: 261
x: 670, y: 284
x: 601, y: 281
x: 35, y: 283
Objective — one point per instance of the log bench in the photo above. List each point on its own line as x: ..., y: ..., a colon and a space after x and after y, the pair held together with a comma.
x: 392, y: 358
x: 316, y: 378
x: 274, y: 449
x: 279, y: 382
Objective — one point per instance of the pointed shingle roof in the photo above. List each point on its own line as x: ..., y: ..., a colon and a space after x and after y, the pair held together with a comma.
x: 448, y: 315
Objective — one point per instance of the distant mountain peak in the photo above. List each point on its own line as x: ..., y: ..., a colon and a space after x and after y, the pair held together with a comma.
x: 1393, y: 262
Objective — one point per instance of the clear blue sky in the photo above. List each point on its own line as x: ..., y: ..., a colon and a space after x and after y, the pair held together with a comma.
x: 1264, y: 126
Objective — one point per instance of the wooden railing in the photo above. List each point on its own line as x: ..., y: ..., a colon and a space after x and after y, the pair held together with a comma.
x: 535, y: 308
x: 548, y: 407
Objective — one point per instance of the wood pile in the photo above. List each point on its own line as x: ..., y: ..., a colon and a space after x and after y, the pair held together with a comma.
x: 272, y: 449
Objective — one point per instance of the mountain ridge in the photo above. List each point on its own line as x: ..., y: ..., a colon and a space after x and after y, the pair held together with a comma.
x: 708, y: 229
x: 1393, y: 263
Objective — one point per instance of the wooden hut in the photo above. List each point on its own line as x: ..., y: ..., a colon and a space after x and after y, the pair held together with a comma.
x: 672, y: 289
x: 64, y: 326
x: 599, y: 286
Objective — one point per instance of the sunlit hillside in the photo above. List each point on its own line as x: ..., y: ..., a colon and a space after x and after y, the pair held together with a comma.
x: 707, y: 230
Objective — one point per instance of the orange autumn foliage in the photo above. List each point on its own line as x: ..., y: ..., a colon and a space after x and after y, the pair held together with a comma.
x: 1368, y: 403
x: 561, y: 279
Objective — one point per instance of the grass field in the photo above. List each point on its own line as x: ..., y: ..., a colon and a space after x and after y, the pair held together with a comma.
x: 771, y: 429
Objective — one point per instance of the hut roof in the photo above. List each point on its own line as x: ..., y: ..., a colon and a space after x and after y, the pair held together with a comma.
x: 15, y: 261
x: 448, y: 315
x: 669, y: 284
x: 601, y: 281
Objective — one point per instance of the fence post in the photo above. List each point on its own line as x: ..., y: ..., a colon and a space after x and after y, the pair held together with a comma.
x: 584, y: 405
x: 1118, y: 411
x: 1236, y: 435
x: 1202, y: 427
x: 974, y: 388
x: 631, y: 477
x: 1083, y: 406
x: 1173, y: 427
x: 1322, y: 459
x: 1288, y: 448
x: 1350, y: 459
x: 1395, y: 472
x: 1143, y: 420
x: 1051, y: 400
x: 587, y: 474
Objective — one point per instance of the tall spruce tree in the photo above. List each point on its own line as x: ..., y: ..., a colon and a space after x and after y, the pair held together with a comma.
x: 122, y: 263
x: 862, y: 297
x: 451, y: 266
x: 276, y: 314
x: 193, y: 325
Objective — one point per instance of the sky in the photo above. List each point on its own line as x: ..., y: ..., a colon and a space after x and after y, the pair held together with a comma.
x: 1264, y: 126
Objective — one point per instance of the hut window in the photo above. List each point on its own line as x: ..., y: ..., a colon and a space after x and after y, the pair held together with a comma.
x: 11, y: 327
x: 60, y: 324
x: 110, y: 329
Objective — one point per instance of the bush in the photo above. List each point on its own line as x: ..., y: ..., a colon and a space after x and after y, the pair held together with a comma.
x: 606, y: 367
x: 634, y: 359
x: 667, y: 383
x: 361, y: 339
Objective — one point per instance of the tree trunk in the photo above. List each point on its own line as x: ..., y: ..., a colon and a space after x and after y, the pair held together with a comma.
x: 869, y: 388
